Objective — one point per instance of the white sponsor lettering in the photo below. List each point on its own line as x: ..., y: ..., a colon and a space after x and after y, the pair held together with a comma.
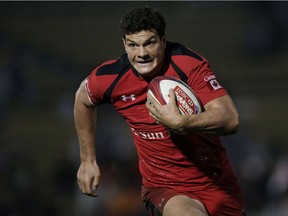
x: 185, y: 103
x: 148, y: 135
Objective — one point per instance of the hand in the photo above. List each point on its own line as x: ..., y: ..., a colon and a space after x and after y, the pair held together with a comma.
x: 88, y: 176
x: 168, y: 115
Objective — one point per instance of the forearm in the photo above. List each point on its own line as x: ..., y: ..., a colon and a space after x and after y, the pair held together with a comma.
x: 85, y: 132
x: 85, y: 118
x: 219, y: 118
x: 217, y: 121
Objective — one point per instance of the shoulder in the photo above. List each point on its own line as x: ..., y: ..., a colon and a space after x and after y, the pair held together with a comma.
x: 175, y: 49
x: 113, y: 67
x: 103, y: 79
x: 185, y: 60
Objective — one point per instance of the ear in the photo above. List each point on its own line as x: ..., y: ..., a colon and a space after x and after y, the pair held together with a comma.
x: 124, y: 42
x: 164, y: 40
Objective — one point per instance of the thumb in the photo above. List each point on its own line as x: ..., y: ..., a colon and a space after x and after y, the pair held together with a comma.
x: 172, y: 97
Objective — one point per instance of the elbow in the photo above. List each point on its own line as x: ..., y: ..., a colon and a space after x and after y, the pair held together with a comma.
x: 233, y: 125
x: 234, y: 129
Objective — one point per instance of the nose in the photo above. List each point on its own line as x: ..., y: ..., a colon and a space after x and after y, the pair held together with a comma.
x: 142, y: 52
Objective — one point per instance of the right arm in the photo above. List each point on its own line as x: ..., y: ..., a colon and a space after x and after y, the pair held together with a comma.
x: 85, y: 118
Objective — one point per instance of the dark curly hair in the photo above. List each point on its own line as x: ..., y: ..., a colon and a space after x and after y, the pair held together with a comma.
x: 143, y: 18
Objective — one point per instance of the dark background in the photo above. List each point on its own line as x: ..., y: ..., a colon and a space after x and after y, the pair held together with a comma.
x: 48, y: 48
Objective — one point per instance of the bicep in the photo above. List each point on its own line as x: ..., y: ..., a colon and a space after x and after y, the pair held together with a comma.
x: 82, y: 95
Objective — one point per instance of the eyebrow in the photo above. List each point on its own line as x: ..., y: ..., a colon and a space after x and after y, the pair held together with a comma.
x: 146, y: 41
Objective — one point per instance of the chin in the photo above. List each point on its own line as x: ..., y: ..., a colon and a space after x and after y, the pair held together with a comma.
x: 145, y: 71
x: 148, y: 74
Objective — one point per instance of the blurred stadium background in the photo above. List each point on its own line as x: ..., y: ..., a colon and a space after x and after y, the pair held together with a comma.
x: 47, y: 48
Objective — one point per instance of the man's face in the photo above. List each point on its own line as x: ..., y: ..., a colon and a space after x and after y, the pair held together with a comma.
x: 146, y: 51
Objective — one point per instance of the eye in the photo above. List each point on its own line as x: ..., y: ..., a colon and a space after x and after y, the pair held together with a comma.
x: 151, y: 43
x: 131, y: 45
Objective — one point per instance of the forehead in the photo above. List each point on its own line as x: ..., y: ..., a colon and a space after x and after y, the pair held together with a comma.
x: 141, y: 36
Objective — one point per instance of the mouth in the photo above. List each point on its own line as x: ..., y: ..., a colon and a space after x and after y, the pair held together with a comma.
x: 144, y: 62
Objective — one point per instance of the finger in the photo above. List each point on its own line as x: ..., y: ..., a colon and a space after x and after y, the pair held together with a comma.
x: 94, y: 186
x: 85, y: 185
x: 80, y: 184
x: 149, y: 97
x: 153, y: 102
x: 92, y: 194
x: 153, y: 115
x: 81, y: 188
x: 150, y: 107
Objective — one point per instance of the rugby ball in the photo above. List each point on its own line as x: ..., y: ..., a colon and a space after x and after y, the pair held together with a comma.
x: 187, y: 101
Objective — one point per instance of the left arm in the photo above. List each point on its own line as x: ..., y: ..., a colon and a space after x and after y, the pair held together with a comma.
x: 219, y: 118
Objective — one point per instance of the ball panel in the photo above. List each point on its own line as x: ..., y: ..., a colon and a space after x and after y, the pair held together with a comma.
x: 187, y: 101
x: 155, y: 90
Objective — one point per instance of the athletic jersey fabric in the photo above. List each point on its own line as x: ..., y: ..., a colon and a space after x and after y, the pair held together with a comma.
x: 182, y: 162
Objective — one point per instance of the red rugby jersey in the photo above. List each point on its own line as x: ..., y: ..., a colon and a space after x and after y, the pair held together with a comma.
x: 191, y: 161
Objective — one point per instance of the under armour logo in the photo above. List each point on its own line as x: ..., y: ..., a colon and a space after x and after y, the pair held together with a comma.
x: 128, y: 98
